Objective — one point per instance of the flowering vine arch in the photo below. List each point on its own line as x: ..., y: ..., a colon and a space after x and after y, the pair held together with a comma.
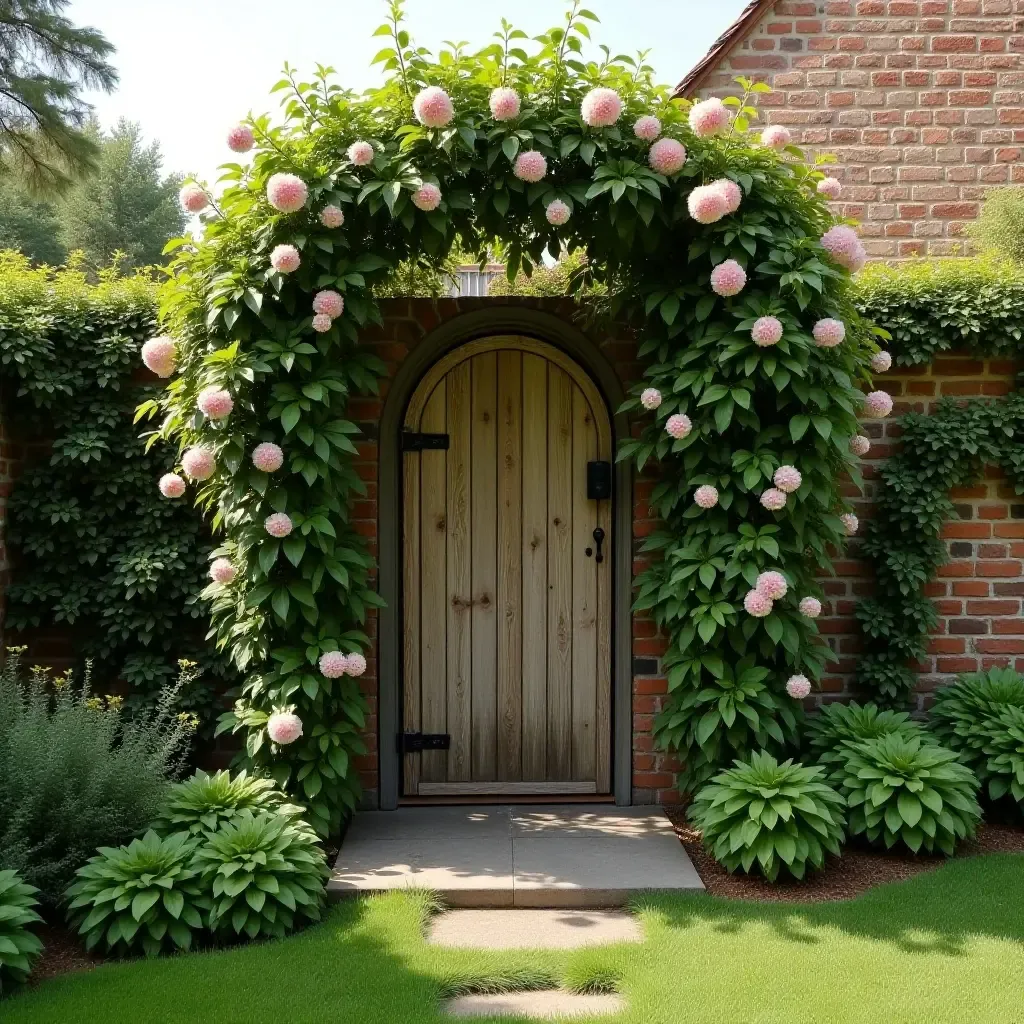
x: 715, y: 244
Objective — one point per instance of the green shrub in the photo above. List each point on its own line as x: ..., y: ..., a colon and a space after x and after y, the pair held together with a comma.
x: 776, y: 817
x: 1004, y: 752
x: 18, y: 946
x: 76, y: 772
x: 904, y: 791
x: 1000, y: 228
x: 264, y: 872
x: 837, y: 724
x: 146, y: 894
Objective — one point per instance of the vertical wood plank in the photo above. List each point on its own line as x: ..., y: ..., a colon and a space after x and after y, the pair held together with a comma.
x: 411, y: 625
x: 483, y: 545
x: 510, y: 557
x: 559, y: 631
x: 603, y: 711
x: 433, y: 593
x: 459, y: 574
x: 584, y: 594
x: 535, y: 568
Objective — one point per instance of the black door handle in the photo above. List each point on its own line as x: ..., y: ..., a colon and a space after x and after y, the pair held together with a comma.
x: 599, y: 540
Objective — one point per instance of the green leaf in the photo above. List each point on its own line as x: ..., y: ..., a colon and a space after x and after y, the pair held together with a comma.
x: 798, y: 426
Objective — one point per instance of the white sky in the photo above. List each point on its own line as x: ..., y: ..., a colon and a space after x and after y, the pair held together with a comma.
x: 191, y: 68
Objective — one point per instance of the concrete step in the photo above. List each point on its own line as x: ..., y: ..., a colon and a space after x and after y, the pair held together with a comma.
x: 544, y: 1005
x: 532, y: 929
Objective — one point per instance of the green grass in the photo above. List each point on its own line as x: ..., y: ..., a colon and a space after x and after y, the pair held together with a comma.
x: 947, y: 946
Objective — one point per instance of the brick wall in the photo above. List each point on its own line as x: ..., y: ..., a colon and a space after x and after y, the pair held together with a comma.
x: 922, y: 101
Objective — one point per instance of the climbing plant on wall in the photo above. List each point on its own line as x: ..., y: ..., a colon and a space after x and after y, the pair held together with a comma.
x: 715, y: 242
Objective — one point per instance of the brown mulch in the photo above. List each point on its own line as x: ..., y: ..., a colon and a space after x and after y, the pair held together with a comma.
x: 63, y: 953
x: 842, y: 878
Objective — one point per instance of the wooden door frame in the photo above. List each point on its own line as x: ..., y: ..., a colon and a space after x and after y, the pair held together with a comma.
x: 531, y: 323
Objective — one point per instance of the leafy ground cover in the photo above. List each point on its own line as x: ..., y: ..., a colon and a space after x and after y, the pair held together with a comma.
x: 946, y: 946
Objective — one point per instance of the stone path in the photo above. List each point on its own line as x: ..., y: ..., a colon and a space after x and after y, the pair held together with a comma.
x: 537, y: 1005
x: 532, y: 929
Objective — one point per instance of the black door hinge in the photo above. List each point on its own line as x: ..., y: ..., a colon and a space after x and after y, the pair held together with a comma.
x: 414, y: 742
x: 412, y: 441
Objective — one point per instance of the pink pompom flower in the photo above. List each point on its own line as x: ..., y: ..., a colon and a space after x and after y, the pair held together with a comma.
x: 878, y: 404
x: 767, y: 331
x: 651, y: 398
x: 355, y: 664
x: 667, y: 156
x: 601, y: 108
x: 505, y: 104
x: 199, y: 462
x: 881, y: 362
x: 788, y: 479
x: 557, y: 212
x: 707, y: 204
x: 831, y: 188
x: 278, y: 525
x: 193, y: 198
x: 851, y: 524
x: 728, y: 278
x: 810, y: 607
x: 284, y: 727
x: 773, y: 499
x: 267, y: 457
x: 828, y: 333
x: 333, y: 664
x: 332, y: 217
x: 709, y: 117
x: 731, y: 193
x: 433, y: 107
x: 530, y: 165
x: 360, y: 153
x: 772, y: 584
x: 171, y: 485
x: 678, y: 426
x: 321, y: 323
x: 844, y: 247
x: 159, y: 355
x: 285, y: 259
x: 215, y: 403
x: 222, y: 570
x: 706, y: 496
x: 647, y: 128
x: 798, y: 687
x: 860, y: 445
x: 427, y: 197
x: 776, y: 136
x: 287, y: 192
x: 241, y: 139
x: 757, y: 604
x: 329, y: 303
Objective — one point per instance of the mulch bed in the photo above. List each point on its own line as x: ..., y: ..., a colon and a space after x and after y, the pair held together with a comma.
x: 63, y: 953
x: 842, y: 877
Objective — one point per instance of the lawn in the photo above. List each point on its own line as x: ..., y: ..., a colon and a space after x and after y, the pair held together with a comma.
x: 946, y: 946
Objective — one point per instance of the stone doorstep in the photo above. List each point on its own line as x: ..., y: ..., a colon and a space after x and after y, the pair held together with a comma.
x: 532, y: 929
x: 551, y: 1004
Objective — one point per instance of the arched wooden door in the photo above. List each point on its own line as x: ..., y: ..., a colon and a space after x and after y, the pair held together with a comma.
x: 506, y: 592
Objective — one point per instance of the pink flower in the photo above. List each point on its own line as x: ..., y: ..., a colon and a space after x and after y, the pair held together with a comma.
x: 222, y: 570
x: 788, y: 479
x: 267, y: 457
x: 193, y: 198
x: 830, y: 187
x: 707, y: 204
x: 647, y: 128
x: 329, y: 303
x: 772, y: 584
x: 321, y: 323
x: 505, y: 104
x: 278, y: 525
x: 199, y: 462
x: 651, y: 398
x: 557, y: 212
x: 215, y: 403
x: 678, y: 426
x: 355, y: 665
x: 798, y: 687
x: 776, y: 137
x: 287, y: 192
x: 706, y: 496
x: 709, y: 117
x: 283, y: 727
x: 850, y: 523
x: 878, y: 405
x: 158, y: 354
x: 360, y: 153
x: 810, y: 606
x: 427, y: 197
x: 828, y: 333
x: 241, y: 139
x: 332, y: 217
x: 844, y: 247
x: 667, y: 156
x: 433, y: 107
x: 333, y: 664
x: 171, y: 485
x: 285, y: 259
x: 601, y: 108
x: 531, y: 165
x: 731, y: 192
x: 881, y: 361
x: 767, y: 331
x: 773, y: 499
x: 860, y: 445
x: 728, y: 278
x: 757, y: 604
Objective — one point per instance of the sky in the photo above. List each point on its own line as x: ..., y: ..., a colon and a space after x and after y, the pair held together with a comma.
x: 190, y: 69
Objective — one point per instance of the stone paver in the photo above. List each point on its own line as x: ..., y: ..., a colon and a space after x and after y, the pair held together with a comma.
x: 552, y: 1005
x: 533, y: 929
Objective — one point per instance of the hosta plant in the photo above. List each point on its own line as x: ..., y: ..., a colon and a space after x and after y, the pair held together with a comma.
x: 145, y: 895
x: 902, y: 791
x: 18, y: 946
x: 1004, y: 756
x: 837, y: 724
x: 265, y: 874
x: 772, y: 817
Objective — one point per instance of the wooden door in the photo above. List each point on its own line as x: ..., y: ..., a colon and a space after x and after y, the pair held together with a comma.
x: 506, y: 606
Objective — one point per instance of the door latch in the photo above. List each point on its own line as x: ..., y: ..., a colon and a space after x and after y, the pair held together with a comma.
x: 414, y: 742
x: 599, y: 540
